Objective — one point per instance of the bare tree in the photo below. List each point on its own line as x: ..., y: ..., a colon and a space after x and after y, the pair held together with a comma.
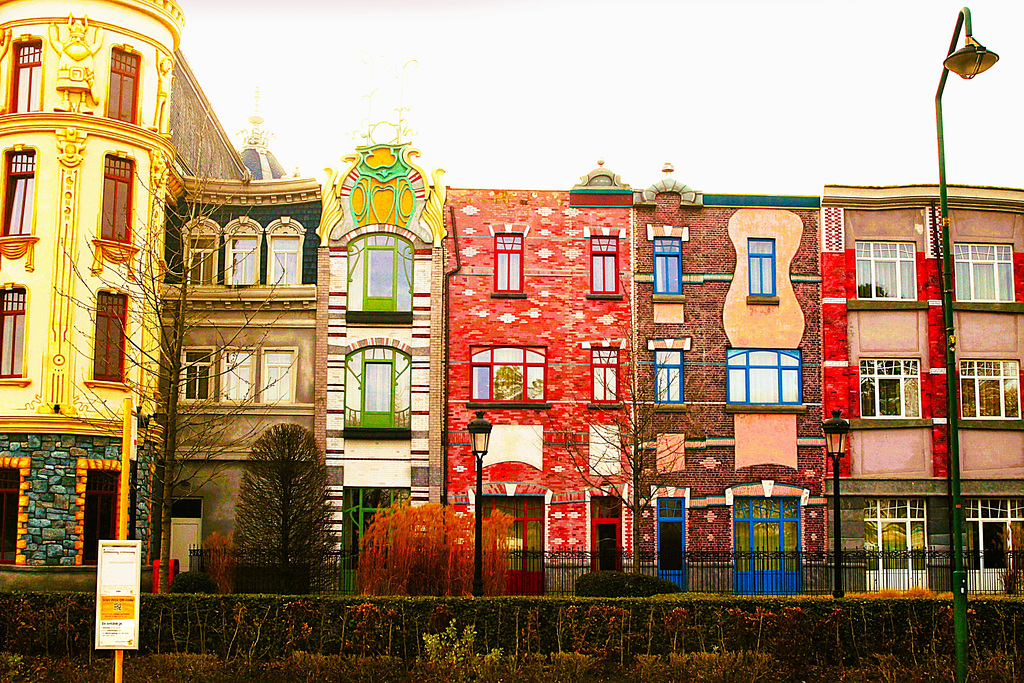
x: 204, y: 401
x: 631, y: 442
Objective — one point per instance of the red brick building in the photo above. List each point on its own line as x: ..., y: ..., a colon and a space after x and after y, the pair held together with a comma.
x: 727, y: 298
x: 539, y: 292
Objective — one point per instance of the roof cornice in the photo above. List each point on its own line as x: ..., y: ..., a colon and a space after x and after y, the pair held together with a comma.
x: 974, y: 197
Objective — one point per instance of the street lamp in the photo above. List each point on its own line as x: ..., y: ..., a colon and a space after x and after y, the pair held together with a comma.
x: 967, y: 62
x: 836, y: 429
x: 479, y: 437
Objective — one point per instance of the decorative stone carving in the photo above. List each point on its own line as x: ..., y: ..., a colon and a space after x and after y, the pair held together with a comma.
x: 70, y: 147
x: 15, y: 247
x: 433, y: 212
x: 75, y: 74
x: 163, y: 95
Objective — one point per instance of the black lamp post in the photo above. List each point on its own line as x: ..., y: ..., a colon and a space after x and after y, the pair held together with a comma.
x: 479, y: 437
x: 967, y: 62
x: 836, y: 429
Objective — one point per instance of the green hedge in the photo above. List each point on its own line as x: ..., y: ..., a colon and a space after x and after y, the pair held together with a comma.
x: 798, y: 632
x: 607, y: 584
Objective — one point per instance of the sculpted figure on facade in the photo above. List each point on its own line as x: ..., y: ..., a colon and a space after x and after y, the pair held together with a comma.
x: 163, y: 94
x: 75, y: 74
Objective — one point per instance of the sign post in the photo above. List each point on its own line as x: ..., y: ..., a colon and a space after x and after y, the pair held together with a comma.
x: 119, y: 570
x: 118, y: 575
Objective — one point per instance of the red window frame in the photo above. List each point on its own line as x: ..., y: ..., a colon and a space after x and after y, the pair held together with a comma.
x: 508, y: 262
x: 19, y: 193
x: 10, y: 490
x: 604, y: 265
x: 111, y: 318
x: 100, y: 521
x: 12, y: 333
x: 28, y: 75
x: 117, y: 199
x: 604, y: 367
x: 487, y: 359
x: 124, y: 86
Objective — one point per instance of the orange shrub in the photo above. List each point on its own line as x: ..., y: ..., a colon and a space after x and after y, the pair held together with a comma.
x: 428, y: 550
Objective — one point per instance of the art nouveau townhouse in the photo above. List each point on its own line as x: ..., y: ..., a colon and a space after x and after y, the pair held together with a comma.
x: 727, y: 307
x: 379, y: 332
x: 885, y: 367
x: 538, y: 303
x: 85, y: 158
x: 245, y: 238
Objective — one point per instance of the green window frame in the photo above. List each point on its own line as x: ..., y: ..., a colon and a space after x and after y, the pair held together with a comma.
x: 380, y: 274
x: 378, y: 389
x: 361, y: 506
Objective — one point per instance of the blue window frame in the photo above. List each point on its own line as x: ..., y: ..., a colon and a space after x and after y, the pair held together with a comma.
x: 767, y: 543
x: 761, y: 255
x: 672, y: 540
x: 764, y: 376
x: 668, y: 377
x: 668, y: 260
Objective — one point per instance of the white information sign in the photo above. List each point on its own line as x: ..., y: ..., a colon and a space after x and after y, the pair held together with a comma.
x: 118, y: 578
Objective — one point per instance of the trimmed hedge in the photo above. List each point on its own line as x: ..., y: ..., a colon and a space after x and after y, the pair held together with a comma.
x: 622, y: 585
x: 194, y: 582
x: 799, y: 633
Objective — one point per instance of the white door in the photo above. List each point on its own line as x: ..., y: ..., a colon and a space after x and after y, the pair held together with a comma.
x: 185, y: 533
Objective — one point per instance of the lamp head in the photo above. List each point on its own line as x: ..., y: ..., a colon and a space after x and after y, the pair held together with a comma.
x: 971, y: 59
x: 835, y: 429
x: 479, y: 432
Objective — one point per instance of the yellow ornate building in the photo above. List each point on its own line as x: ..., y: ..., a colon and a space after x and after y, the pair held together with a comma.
x: 85, y: 150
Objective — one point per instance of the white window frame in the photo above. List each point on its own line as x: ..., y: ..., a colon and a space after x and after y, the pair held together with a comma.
x: 906, y: 511
x: 280, y: 389
x: 210, y: 364
x: 901, y: 255
x: 284, y: 228
x: 968, y: 259
x: 907, y: 371
x: 970, y: 370
x: 242, y: 228
x: 238, y: 372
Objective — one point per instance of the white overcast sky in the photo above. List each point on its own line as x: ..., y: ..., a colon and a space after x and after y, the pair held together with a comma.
x: 741, y: 96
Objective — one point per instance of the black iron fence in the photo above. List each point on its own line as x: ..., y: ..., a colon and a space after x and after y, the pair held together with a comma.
x: 554, y: 572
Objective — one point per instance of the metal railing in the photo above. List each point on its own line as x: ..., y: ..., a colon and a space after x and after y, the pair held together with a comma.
x: 554, y: 572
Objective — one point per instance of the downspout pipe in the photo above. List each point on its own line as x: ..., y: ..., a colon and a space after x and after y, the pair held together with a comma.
x: 446, y: 294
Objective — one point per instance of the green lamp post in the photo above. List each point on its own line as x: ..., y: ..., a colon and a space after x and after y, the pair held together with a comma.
x: 967, y: 62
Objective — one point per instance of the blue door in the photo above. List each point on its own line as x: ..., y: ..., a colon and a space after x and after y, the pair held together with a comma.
x: 767, y: 546
x: 672, y: 540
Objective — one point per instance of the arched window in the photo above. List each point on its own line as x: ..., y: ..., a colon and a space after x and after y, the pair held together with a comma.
x: 378, y: 389
x: 380, y: 271
x: 242, y: 252
x: 201, y: 241
x: 284, y: 239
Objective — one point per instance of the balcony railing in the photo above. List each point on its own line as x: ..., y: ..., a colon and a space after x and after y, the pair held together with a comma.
x: 554, y: 572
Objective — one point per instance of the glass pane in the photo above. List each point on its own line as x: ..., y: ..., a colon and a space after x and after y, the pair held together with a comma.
x: 885, y: 275
x: 985, y: 281
x: 913, y: 399
x: 764, y: 385
x: 867, y: 396
x: 968, y: 399
x: 737, y: 386
x: 508, y: 383
x: 481, y: 382
x: 508, y: 355
x: 534, y: 383
x: 963, y: 281
x: 908, y: 284
x: 790, y: 386
x: 381, y: 275
x: 989, y: 404
x: 1011, y: 398
x: 377, y: 387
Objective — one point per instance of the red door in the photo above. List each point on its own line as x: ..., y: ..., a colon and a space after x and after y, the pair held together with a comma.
x: 526, y: 545
x: 606, y: 533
